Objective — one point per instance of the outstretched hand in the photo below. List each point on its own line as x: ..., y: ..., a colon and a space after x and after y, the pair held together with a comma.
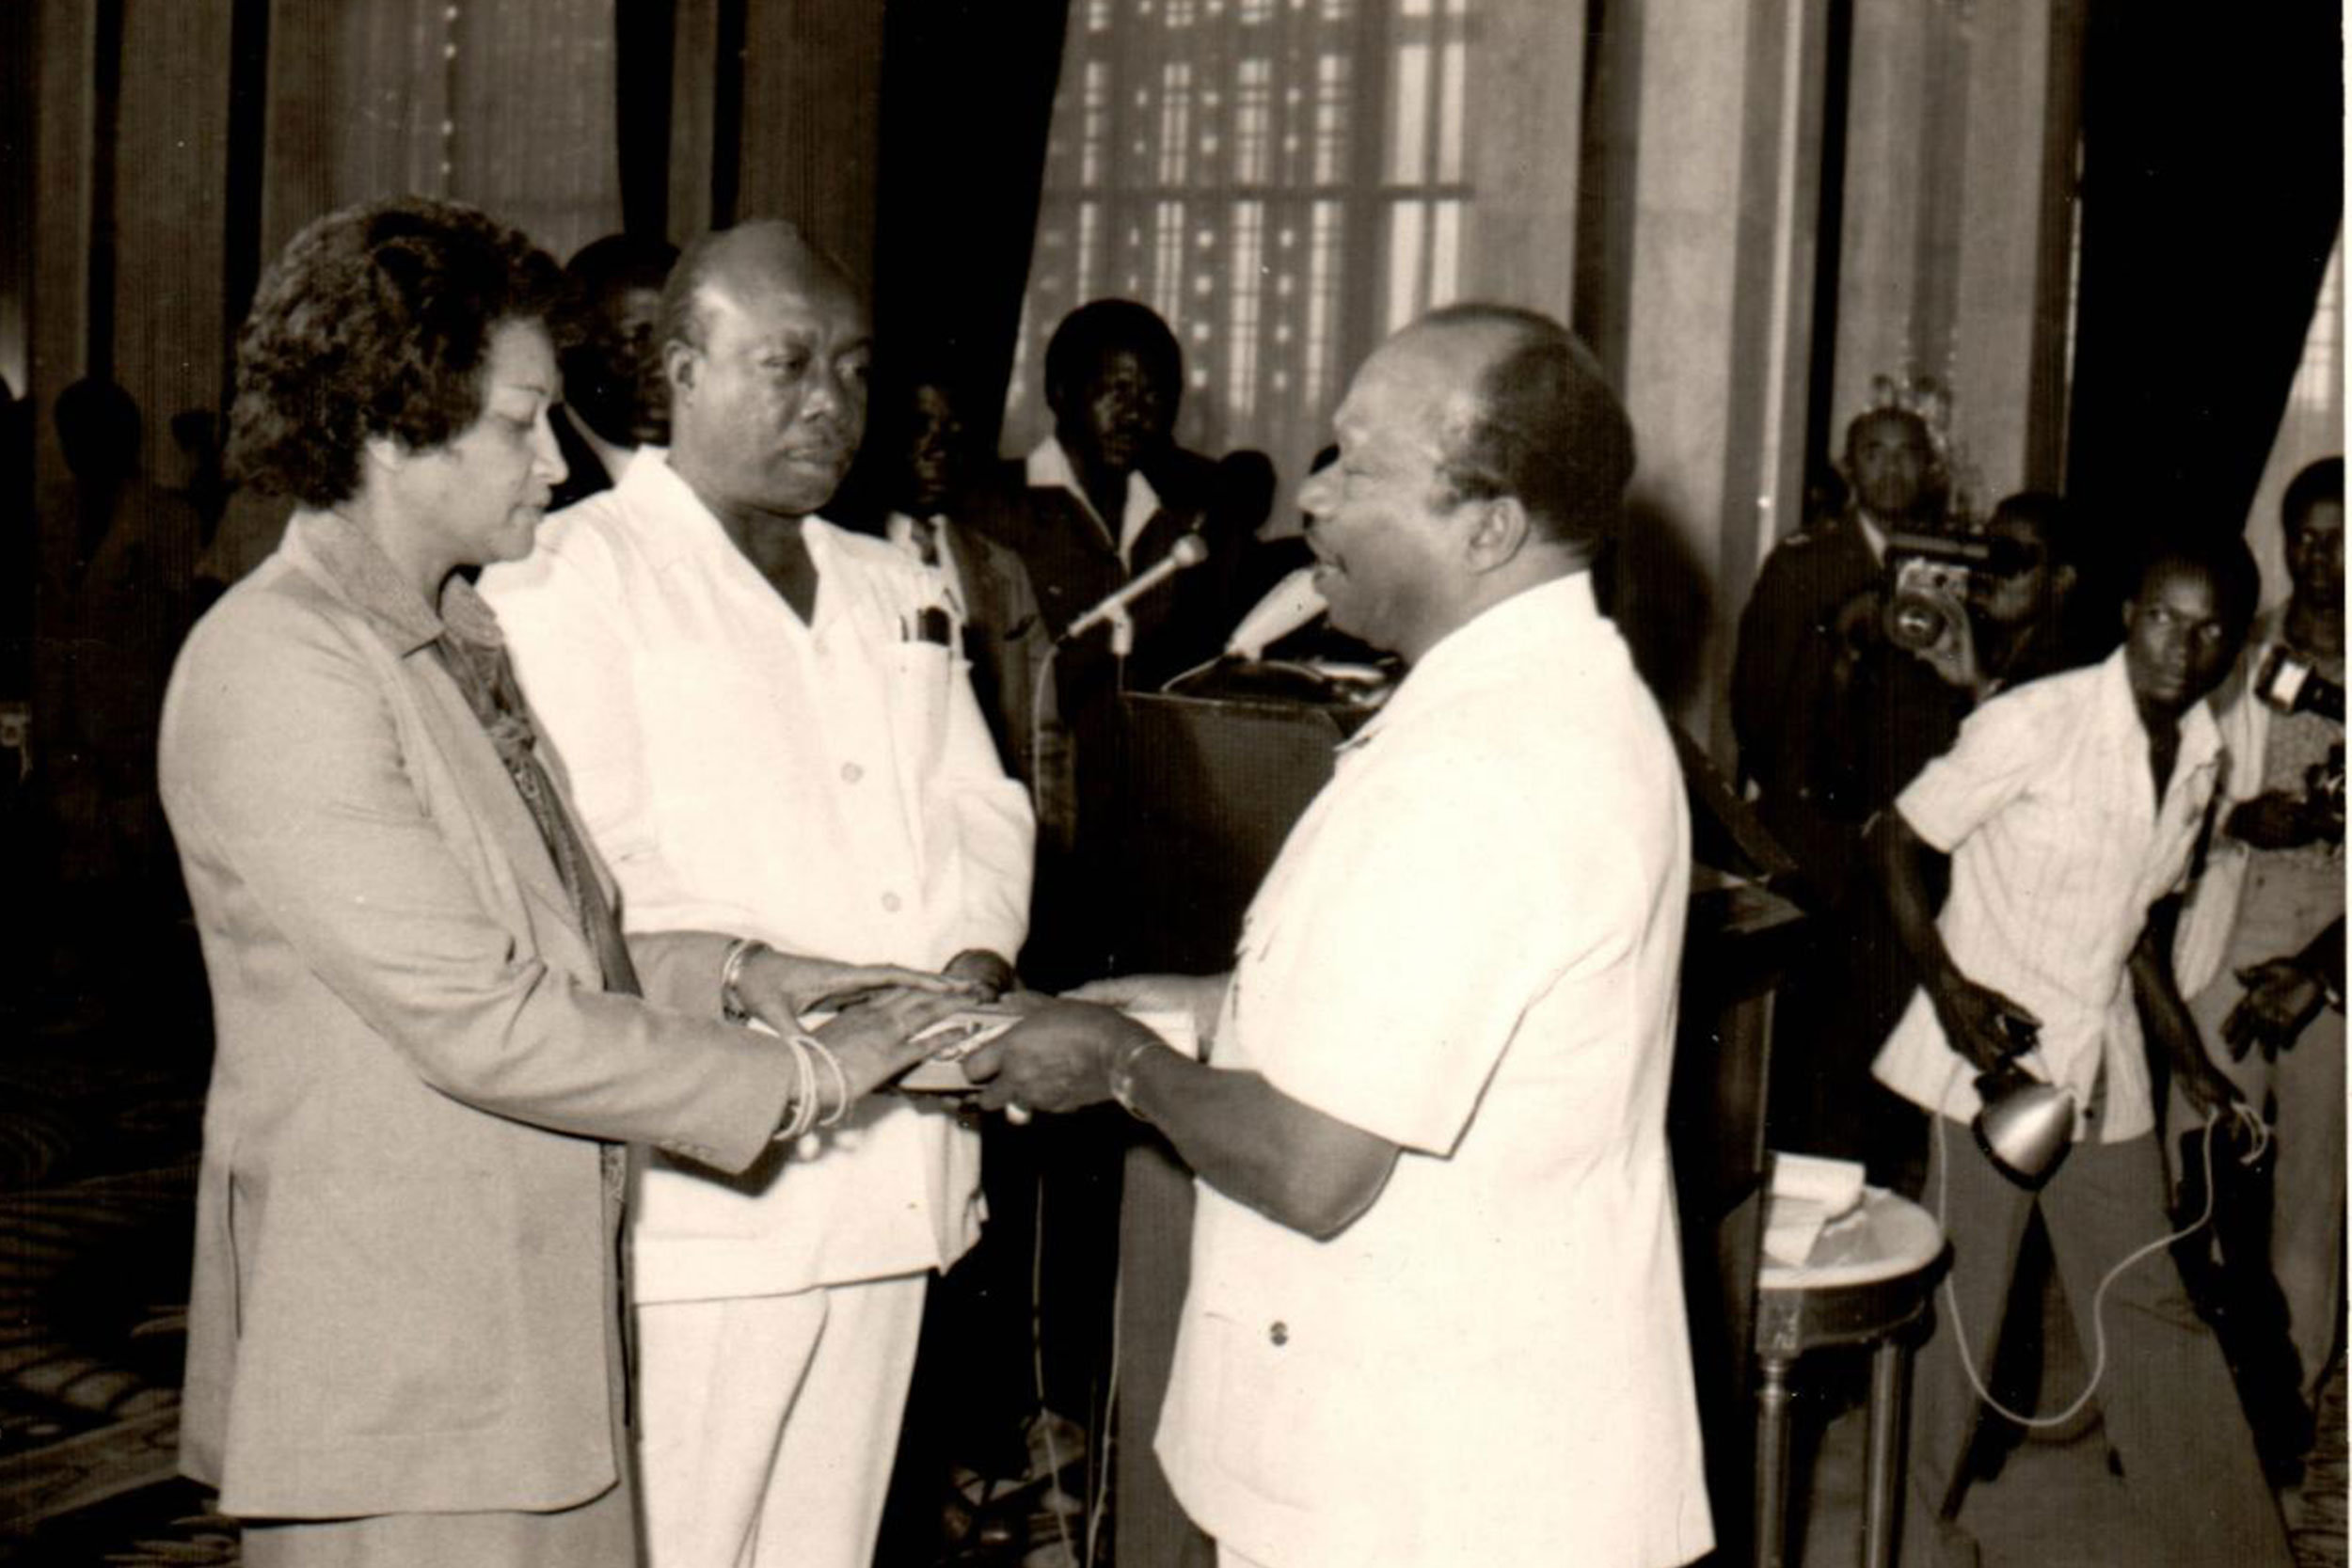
x: 874, y: 1039
x: 778, y: 988
x: 1059, y: 1058
x: 1200, y: 996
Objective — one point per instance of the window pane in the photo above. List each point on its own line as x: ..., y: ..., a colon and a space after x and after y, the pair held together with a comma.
x: 1445, y: 257
x: 1240, y: 319
x: 1405, y: 238
x: 1409, y: 127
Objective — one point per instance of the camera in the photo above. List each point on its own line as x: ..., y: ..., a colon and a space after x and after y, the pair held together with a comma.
x: 2291, y: 685
x: 1928, y: 600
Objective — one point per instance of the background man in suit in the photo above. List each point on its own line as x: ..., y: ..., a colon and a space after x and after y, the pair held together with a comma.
x: 974, y: 1388
x: 927, y: 481
x: 1109, y: 492
x: 1104, y: 498
x: 1807, y: 632
x: 2262, y: 943
x: 610, y: 351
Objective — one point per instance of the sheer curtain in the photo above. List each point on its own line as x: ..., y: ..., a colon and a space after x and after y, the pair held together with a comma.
x: 1284, y: 181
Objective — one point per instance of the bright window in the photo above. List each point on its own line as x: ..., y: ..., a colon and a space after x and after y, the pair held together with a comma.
x: 1283, y: 180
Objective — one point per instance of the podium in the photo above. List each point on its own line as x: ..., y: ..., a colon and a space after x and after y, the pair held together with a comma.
x: 1213, y: 785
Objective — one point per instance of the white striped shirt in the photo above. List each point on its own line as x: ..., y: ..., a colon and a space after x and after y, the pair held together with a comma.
x: 2059, y: 846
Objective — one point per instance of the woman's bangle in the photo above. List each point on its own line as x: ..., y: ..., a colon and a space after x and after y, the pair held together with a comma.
x: 802, y: 1107
x: 731, y: 979
x: 1122, y: 1076
x: 823, y: 1052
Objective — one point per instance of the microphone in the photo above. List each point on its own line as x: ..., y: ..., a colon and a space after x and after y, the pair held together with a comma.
x: 1293, y: 603
x: 1189, y: 550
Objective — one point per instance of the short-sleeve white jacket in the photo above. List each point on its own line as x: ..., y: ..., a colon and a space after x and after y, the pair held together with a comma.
x: 1468, y: 946
x: 829, y: 788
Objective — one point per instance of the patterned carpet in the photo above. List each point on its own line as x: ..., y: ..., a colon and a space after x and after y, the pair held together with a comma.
x: 98, y: 1152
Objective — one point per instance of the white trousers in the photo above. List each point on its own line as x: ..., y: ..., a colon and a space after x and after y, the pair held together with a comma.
x: 767, y: 1425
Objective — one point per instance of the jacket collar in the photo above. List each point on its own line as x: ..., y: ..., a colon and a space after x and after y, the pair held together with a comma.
x: 1538, y: 627
x: 2120, y: 729
x: 1048, y: 468
x: 347, y: 559
x: 672, y: 526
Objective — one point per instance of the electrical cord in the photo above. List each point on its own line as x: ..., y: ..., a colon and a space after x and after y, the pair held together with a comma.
x: 1101, y: 1506
x: 1037, y: 1372
x: 1100, y: 1468
x: 2246, y: 1116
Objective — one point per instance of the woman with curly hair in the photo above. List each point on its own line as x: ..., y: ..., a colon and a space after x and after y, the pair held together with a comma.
x: 432, y: 1037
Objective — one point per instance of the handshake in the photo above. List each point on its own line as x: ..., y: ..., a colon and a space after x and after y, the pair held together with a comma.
x: 1025, y: 1051
x: 966, y: 1030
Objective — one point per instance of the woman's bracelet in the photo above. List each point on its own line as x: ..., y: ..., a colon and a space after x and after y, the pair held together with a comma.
x: 802, y: 1106
x: 823, y: 1052
x: 731, y: 979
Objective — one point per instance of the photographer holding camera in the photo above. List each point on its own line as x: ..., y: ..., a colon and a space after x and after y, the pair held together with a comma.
x: 1789, y: 684
x: 1981, y: 613
x: 2260, y: 948
x: 1865, y: 646
x: 1792, y: 642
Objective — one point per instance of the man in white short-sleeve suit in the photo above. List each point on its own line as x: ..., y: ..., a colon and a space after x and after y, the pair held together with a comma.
x: 768, y: 718
x: 1436, y: 1313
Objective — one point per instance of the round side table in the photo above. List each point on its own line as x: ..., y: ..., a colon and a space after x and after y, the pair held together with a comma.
x: 1865, y: 1281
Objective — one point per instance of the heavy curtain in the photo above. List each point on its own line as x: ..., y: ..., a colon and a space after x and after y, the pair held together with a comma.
x: 2213, y: 174
x: 968, y: 90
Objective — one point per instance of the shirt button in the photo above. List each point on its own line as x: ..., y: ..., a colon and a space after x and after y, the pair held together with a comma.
x: 852, y: 772
x: 1280, y: 1333
x: 890, y: 902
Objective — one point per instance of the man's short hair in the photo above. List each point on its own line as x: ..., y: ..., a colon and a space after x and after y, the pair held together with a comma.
x: 681, y: 320
x: 2054, y: 521
x: 607, y: 267
x: 1548, y: 429
x: 2315, y: 484
x: 2224, y: 561
x: 620, y: 261
x: 1904, y: 417
x: 1104, y: 326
